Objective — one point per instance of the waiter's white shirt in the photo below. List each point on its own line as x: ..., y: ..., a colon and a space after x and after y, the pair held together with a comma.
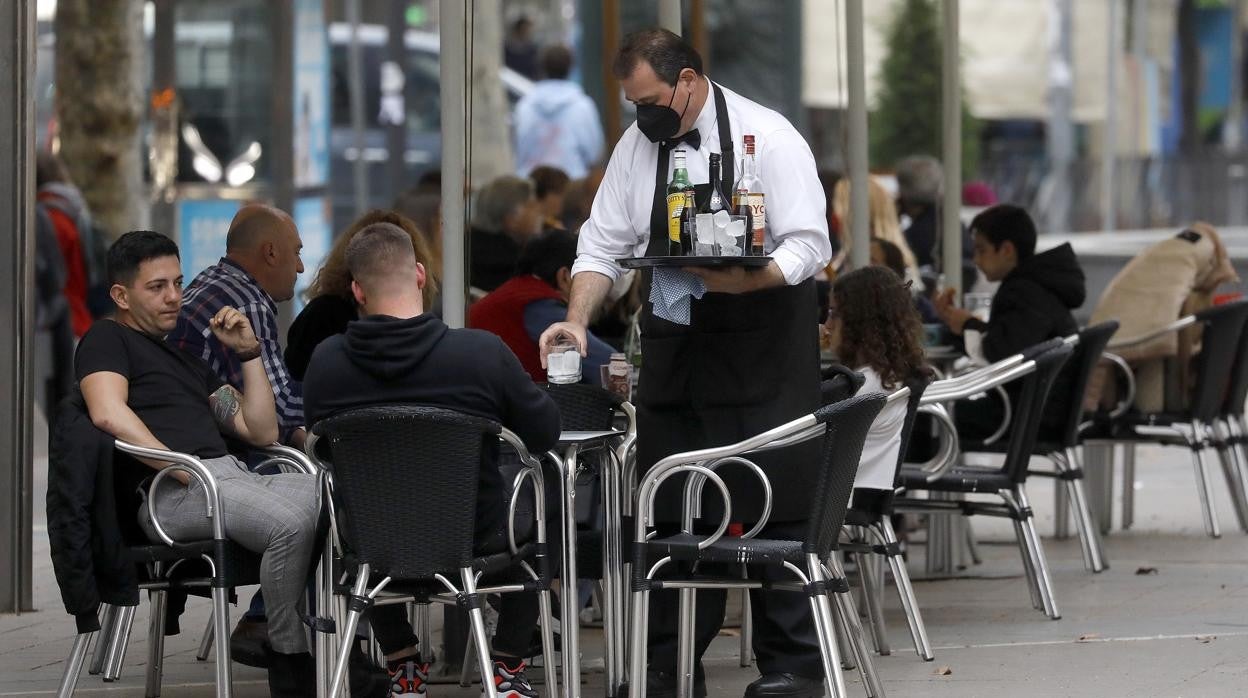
x: 797, y: 224
x: 878, y: 466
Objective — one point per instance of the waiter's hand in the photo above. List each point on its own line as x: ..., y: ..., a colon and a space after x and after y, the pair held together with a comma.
x: 562, y: 331
x: 739, y: 279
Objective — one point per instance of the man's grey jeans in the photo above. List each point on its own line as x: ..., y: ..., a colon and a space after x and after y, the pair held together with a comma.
x: 274, y: 515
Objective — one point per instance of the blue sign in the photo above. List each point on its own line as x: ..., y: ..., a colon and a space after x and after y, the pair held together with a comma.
x: 312, y: 217
x: 311, y: 94
x: 202, y: 227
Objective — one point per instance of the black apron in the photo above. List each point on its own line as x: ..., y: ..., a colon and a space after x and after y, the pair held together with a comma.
x: 745, y: 363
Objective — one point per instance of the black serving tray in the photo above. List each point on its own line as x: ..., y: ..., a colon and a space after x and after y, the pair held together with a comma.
x: 720, y: 261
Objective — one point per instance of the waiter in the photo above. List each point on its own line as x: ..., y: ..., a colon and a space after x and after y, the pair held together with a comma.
x: 748, y: 358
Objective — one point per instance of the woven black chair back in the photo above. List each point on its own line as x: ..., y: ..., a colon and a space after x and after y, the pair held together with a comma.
x: 1237, y: 389
x: 1219, y: 349
x: 917, y: 383
x: 1029, y: 406
x: 847, y: 422
x: 1069, y: 401
x: 584, y: 407
x: 405, y: 485
x: 839, y: 383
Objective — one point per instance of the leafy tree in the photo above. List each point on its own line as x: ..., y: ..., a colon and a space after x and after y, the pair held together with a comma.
x: 906, y: 120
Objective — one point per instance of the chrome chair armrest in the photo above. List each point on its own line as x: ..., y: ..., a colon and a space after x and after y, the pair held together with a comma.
x: 979, y: 373
x: 1128, y: 376
x: 532, y: 470
x: 942, y: 391
x: 947, y: 454
x: 288, y: 459
x: 1007, y: 415
x: 654, y: 479
x: 695, y: 483
x: 194, y: 468
x: 1128, y: 342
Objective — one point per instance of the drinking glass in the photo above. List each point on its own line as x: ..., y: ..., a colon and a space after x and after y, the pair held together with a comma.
x: 563, y: 364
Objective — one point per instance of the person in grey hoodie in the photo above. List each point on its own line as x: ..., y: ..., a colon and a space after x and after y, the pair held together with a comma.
x: 557, y: 123
x: 398, y: 354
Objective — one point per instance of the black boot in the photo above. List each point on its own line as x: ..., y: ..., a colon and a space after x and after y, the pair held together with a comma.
x: 292, y: 675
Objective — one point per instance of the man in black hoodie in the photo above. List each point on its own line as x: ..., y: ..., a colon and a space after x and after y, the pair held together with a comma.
x: 1033, y: 304
x: 398, y: 354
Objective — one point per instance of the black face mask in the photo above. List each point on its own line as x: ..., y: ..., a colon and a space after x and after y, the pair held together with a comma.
x: 660, y: 122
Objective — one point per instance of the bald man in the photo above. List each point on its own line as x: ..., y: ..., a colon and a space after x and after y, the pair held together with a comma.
x: 258, y: 271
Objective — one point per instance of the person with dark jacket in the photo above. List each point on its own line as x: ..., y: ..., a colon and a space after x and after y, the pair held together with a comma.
x: 507, y: 215
x: 1033, y: 304
x: 397, y: 354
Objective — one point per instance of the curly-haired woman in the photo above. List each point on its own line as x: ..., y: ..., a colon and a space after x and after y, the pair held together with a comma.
x: 330, y: 303
x: 875, y: 330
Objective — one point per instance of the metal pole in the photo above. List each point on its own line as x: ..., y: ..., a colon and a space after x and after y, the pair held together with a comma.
x: 669, y: 15
x: 860, y: 250
x: 1061, y: 130
x: 396, y: 131
x: 355, y: 87
x: 1109, y: 168
x: 454, y: 78
x: 17, y: 276
x: 951, y: 125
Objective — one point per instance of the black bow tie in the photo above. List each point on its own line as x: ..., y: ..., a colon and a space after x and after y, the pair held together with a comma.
x: 693, y: 138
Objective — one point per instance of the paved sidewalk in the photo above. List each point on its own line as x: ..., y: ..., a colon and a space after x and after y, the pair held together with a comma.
x: 1181, y: 630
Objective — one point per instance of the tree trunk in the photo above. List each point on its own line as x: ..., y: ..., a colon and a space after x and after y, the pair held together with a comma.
x: 489, y: 132
x: 99, y: 87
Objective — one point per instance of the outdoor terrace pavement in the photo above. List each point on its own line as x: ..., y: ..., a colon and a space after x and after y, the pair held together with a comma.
x: 1181, y: 631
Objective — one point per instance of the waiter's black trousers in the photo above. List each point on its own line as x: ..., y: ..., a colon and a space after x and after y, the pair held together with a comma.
x: 784, y: 629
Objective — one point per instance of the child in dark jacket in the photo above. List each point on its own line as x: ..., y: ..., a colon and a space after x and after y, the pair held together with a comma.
x: 1034, y: 303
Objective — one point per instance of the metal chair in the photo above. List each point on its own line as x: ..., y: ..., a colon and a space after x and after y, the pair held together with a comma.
x: 229, y: 565
x: 1194, y: 426
x: 843, y: 428
x: 415, y: 558
x: 869, y: 516
x: 1037, y: 371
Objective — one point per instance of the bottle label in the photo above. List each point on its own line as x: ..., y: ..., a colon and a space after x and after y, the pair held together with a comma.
x: 758, y: 209
x: 675, y: 207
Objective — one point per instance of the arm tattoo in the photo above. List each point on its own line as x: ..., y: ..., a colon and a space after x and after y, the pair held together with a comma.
x: 225, y: 406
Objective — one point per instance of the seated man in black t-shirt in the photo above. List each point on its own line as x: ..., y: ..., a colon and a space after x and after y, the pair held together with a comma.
x: 397, y: 354
x: 141, y: 390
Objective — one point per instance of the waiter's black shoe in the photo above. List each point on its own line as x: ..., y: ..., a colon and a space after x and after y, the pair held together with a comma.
x: 784, y: 686
x: 661, y: 684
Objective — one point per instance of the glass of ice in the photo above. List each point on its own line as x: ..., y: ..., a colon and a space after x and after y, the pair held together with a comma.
x: 563, y: 364
x: 731, y: 236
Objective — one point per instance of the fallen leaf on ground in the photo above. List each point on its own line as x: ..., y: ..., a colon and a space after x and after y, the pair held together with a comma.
x: 943, y: 671
x: 1206, y: 639
x: 1146, y: 570
x: 730, y: 632
x: 1088, y: 636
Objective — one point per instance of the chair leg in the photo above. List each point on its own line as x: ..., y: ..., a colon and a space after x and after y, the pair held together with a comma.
x: 206, y: 640
x: 972, y: 545
x: 73, y: 665
x: 1232, y: 472
x: 851, y: 628
x: 118, y: 645
x: 1089, y: 534
x: 870, y: 586
x: 1029, y: 569
x: 158, y: 600
x: 477, y: 621
x: 347, y: 634
x: 545, y: 606
x: 1044, y: 581
x: 1061, y: 511
x: 221, y: 617
x: 639, y: 609
x: 465, y: 664
x: 685, y: 660
x: 746, y: 651
x: 104, y: 637
x: 905, y: 590
x: 1128, y: 486
x: 1204, y: 489
x: 834, y: 678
